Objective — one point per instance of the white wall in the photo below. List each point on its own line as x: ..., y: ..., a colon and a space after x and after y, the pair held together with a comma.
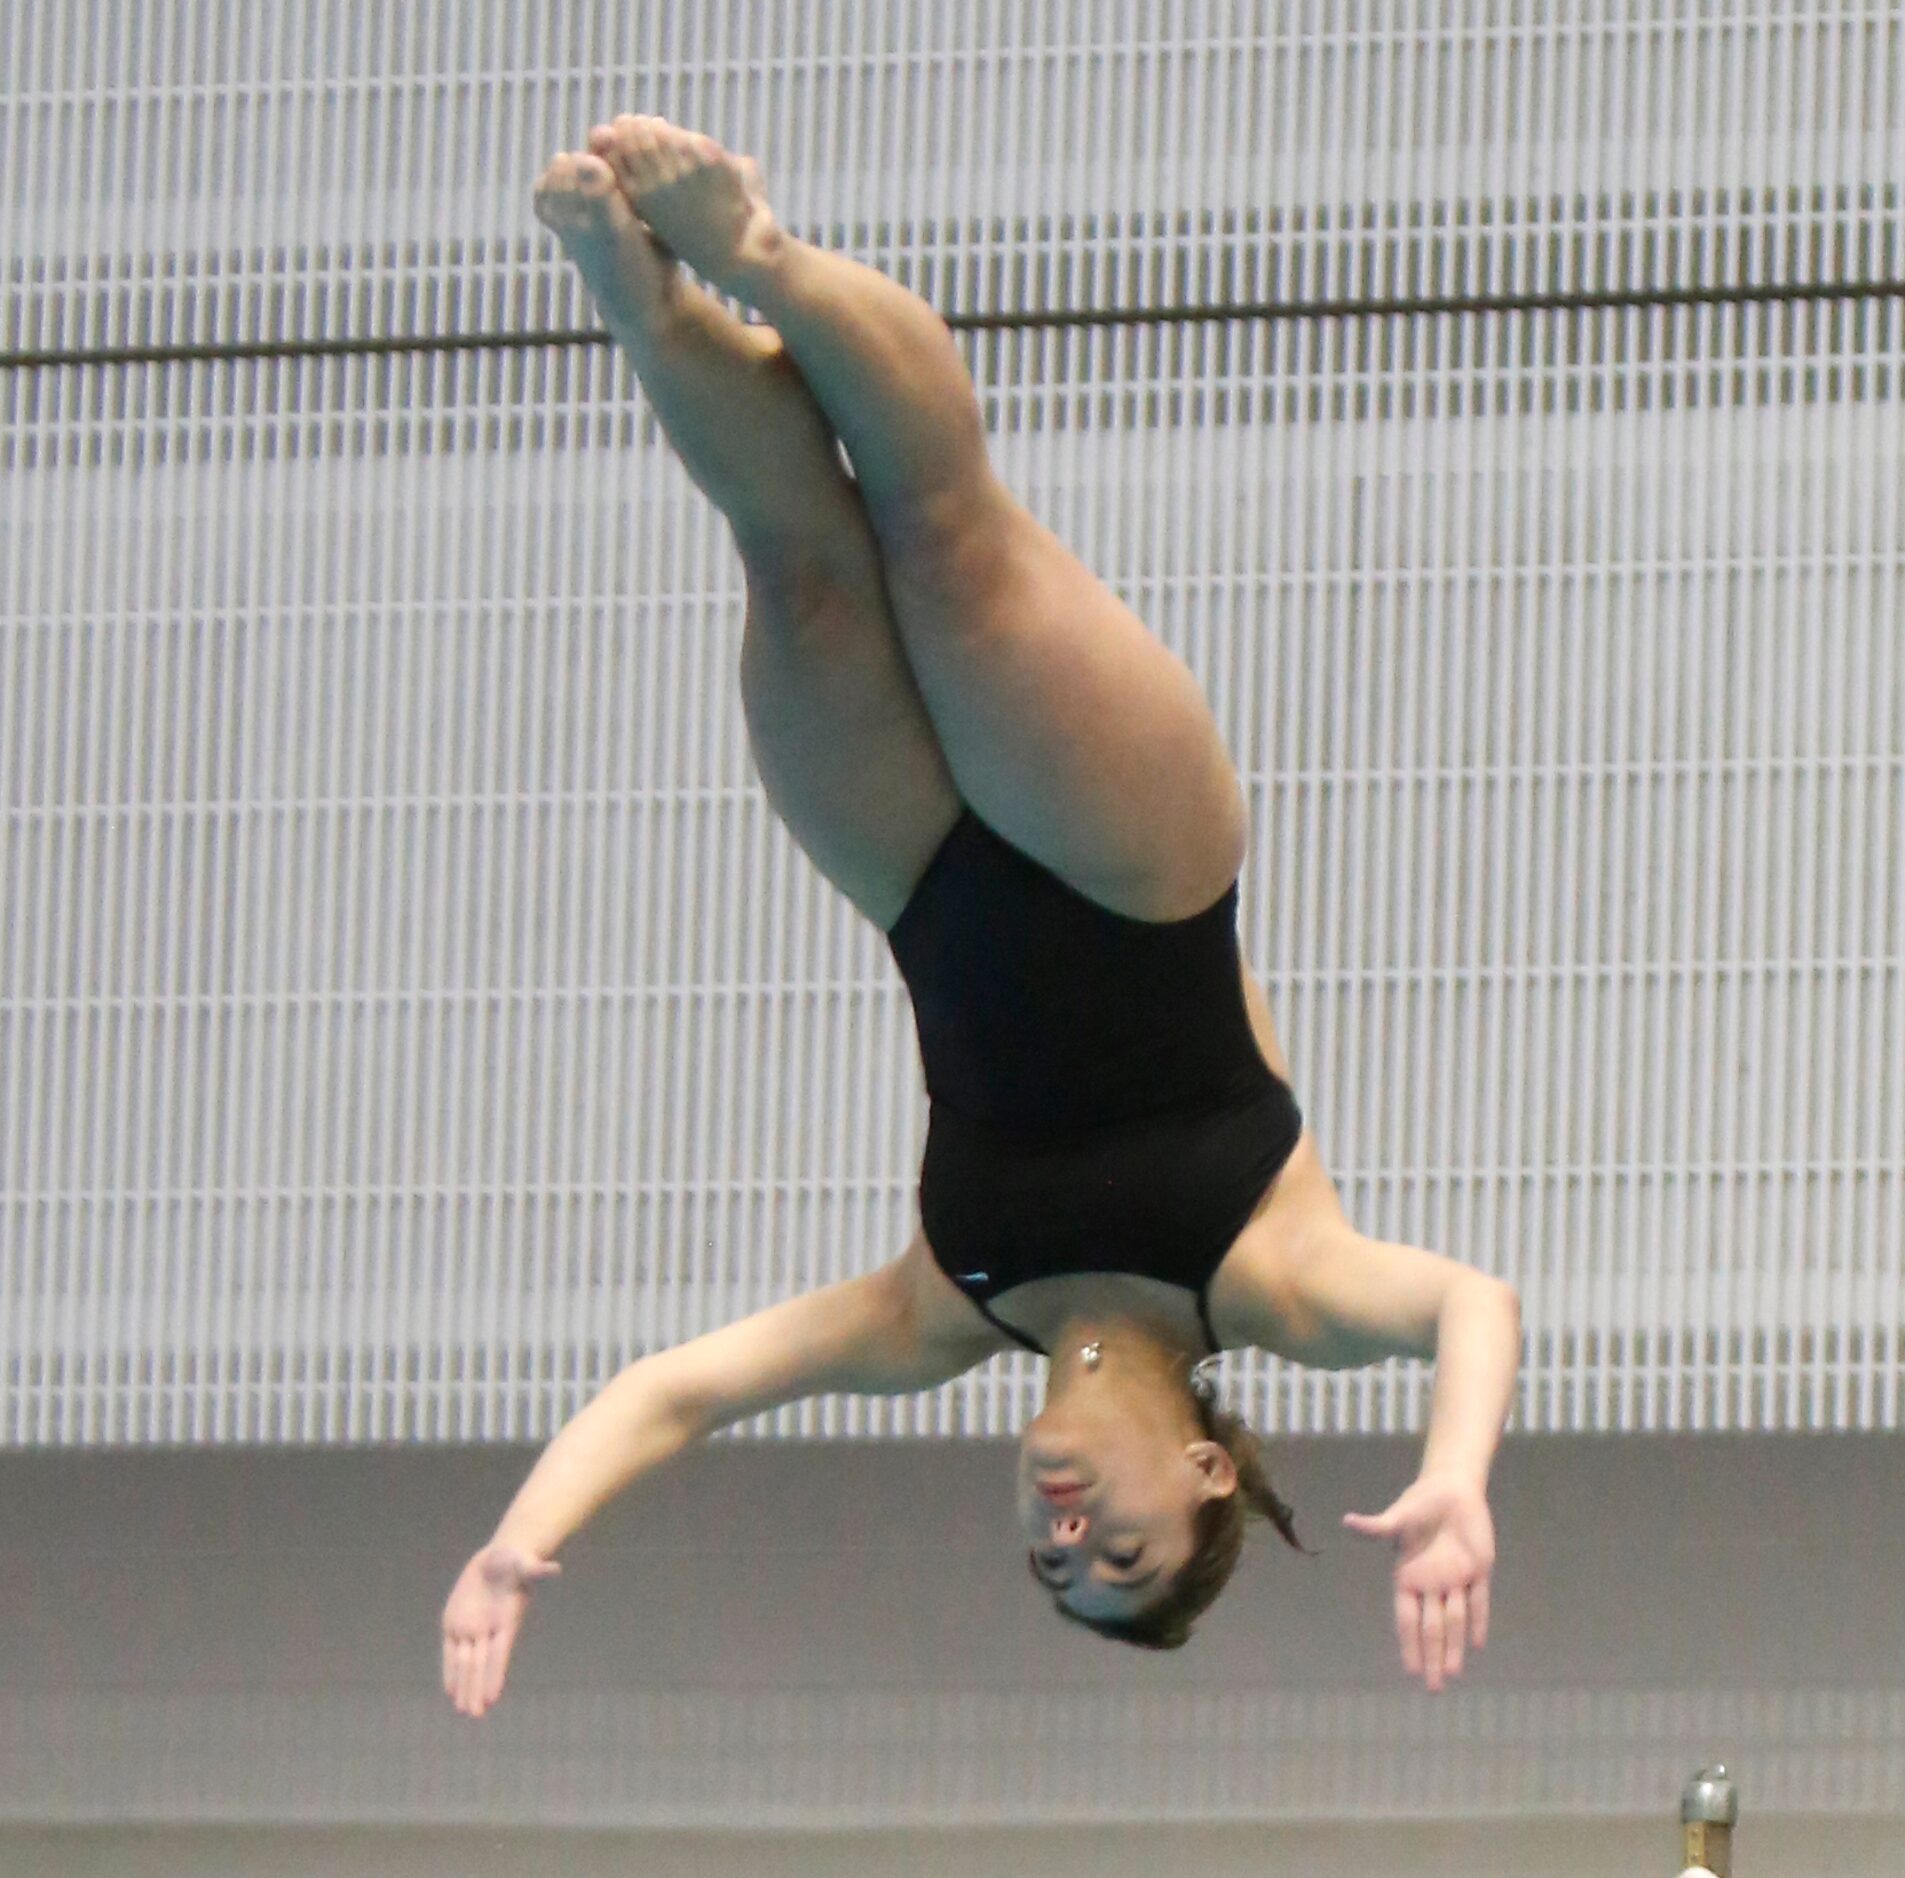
x: 409, y: 1010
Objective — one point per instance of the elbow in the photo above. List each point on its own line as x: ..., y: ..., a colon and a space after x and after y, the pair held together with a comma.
x: 1504, y: 1295
x: 669, y: 1400
x: 1503, y: 1303
x: 1476, y: 1294
x: 1499, y: 1296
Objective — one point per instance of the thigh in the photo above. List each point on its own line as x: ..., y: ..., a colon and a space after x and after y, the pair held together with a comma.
x: 1072, y: 730
x: 840, y: 735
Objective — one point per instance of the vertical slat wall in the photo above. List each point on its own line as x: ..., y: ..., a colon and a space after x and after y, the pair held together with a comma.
x: 409, y: 1010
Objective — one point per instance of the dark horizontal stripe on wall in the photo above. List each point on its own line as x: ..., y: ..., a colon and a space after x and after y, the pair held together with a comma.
x: 1826, y: 350
x: 1496, y: 304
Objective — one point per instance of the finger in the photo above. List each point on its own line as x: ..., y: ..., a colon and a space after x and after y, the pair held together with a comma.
x: 463, y: 1674
x: 1478, y: 1613
x: 449, y: 1666
x: 1455, y: 1632
x: 1370, y: 1525
x: 498, y: 1663
x: 479, y: 1674
x: 1409, y: 1630
x: 1432, y: 1633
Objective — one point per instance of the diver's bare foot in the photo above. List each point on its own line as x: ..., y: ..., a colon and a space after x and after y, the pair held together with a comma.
x: 708, y: 206
x: 630, y: 275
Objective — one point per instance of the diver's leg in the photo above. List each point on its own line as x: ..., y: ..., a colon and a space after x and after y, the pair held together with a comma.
x: 726, y: 394
x: 1079, y: 736
x: 839, y: 733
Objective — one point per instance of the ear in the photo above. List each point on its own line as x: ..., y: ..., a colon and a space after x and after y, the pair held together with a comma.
x: 1212, y: 1460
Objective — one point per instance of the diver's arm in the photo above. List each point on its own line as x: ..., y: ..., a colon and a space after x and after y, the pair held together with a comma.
x: 1343, y: 1299
x: 850, y: 1338
x: 1346, y: 1299
x: 627, y: 1429
x: 863, y: 1336
x: 880, y: 1334
x: 1355, y: 1299
x: 1477, y: 1352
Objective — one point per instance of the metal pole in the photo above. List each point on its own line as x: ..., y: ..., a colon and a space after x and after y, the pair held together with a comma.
x: 1709, y: 1810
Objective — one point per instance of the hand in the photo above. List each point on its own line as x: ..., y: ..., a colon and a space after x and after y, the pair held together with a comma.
x: 1445, y: 1547
x: 480, y: 1621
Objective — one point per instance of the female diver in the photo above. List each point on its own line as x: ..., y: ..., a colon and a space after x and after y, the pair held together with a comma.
x: 994, y: 760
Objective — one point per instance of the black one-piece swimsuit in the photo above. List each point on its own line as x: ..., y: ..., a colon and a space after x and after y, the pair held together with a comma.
x: 1097, y: 1101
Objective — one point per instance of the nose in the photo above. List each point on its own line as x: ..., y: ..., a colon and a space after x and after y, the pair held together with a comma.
x: 1068, y: 1528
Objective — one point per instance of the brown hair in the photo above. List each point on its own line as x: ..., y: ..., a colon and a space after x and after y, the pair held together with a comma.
x: 1217, y: 1535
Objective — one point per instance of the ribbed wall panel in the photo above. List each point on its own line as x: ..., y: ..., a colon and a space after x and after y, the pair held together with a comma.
x: 1452, y: 146
x: 409, y: 1009
x: 807, y: 1759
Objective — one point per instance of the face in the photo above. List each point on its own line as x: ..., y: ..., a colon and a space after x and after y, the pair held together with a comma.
x: 1107, y: 1502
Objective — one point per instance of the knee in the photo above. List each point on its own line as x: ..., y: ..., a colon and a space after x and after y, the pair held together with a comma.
x: 955, y: 532
x: 798, y: 587
x: 792, y: 559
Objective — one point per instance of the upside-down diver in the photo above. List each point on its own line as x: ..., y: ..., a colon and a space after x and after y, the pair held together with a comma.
x: 990, y: 755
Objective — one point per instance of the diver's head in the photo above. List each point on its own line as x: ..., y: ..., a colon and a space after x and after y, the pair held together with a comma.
x: 1133, y: 1489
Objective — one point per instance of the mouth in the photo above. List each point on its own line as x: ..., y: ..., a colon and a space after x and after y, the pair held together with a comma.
x: 1060, y: 1492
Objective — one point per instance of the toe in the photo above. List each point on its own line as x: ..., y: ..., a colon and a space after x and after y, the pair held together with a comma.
x: 593, y: 177
x: 552, y: 187
x: 677, y: 153
x: 577, y: 196
x: 629, y: 149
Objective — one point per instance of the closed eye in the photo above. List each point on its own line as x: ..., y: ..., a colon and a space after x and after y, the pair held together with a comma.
x: 1050, y: 1570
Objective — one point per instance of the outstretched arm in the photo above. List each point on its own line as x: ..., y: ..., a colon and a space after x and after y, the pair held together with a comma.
x: 865, y: 1336
x: 1357, y: 1300
x: 855, y: 1337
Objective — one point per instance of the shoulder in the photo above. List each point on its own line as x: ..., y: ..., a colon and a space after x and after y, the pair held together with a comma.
x: 1308, y: 1286
x: 881, y: 1333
